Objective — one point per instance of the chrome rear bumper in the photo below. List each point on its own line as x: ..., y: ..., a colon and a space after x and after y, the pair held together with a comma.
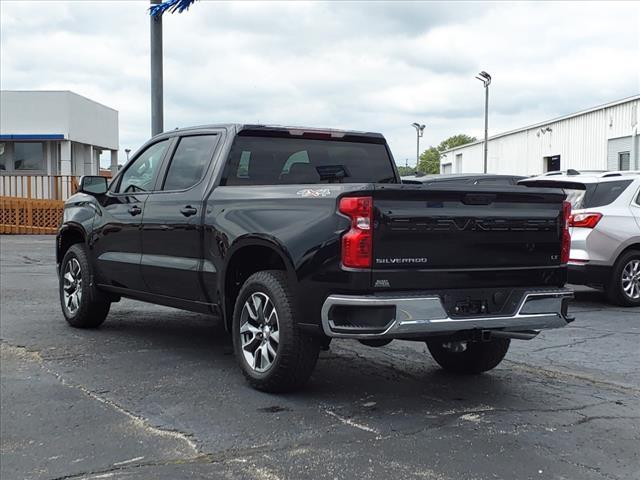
x: 417, y: 316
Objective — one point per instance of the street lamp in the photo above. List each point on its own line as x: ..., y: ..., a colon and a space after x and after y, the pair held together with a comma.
x: 127, y: 151
x: 419, y: 132
x: 157, y: 107
x: 485, y: 78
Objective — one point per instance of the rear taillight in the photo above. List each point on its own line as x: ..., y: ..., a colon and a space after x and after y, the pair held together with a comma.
x: 566, y: 236
x: 584, y: 220
x: 357, y: 242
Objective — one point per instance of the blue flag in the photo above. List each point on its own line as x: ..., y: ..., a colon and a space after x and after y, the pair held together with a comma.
x: 171, y: 6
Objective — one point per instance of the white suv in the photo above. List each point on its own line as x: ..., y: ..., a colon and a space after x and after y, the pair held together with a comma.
x: 605, y: 230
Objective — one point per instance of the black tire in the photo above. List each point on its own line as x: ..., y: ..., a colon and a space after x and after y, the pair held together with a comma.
x: 477, y: 358
x: 296, y: 352
x: 92, y: 308
x: 615, y: 289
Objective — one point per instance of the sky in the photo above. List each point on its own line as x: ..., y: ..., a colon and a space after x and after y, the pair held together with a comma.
x: 370, y: 66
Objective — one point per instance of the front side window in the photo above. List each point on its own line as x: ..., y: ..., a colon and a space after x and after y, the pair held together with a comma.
x: 28, y: 156
x: 290, y: 161
x: 140, y: 175
x: 189, y: 162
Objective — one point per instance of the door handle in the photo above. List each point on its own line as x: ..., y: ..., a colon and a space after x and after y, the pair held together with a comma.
x: 135, y: 210
x: 188, y: 211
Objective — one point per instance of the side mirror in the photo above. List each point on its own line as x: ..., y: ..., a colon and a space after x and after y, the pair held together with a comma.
x: 93, y: 185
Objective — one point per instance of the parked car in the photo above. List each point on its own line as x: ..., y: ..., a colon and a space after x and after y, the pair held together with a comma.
x: 296, y: 236
x: 465, y: 178
x: 605, y: 231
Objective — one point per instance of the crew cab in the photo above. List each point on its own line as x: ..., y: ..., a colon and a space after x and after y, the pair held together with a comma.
x: 294, y: 236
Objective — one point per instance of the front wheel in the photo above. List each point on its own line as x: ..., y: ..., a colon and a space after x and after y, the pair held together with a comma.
x: 274, y: 354
x: 624, y: 286
x: 468, y: 357
x: 81, y: 304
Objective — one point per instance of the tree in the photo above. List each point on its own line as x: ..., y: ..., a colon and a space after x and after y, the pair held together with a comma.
x: 429, y: 161
x: 405, y: 171
x: 455, y: 141
x: 430, y: 158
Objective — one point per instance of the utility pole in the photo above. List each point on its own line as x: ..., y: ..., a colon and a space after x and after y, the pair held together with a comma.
x: 419, y: 132
x: 157, y: 113
x: 485, y: 78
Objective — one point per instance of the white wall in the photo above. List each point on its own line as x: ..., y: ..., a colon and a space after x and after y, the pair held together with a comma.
x: 92, y: 123
x: 59, y: 112
x: 34, y: 112
x: 581, y: 141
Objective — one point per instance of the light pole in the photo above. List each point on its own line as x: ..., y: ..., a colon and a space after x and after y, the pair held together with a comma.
x: 127, y: 151
x: 157, y: 115
x: 419, y: 132
x: 485, y: 78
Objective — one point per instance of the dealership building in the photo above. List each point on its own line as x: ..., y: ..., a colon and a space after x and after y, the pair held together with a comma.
x: 600, y: 138
x: 55, y: 133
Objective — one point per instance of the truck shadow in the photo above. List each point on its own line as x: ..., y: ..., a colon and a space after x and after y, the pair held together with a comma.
x: 349, y: 378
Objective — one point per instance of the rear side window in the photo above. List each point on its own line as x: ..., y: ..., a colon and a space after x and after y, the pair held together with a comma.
x: 605, y: 193
x: 288, y: 161
x: 189, y: 161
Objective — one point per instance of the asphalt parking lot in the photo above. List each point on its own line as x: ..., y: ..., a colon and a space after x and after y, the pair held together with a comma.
x: 155, y: 393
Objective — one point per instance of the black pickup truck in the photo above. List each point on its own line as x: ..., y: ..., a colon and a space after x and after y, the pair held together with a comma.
x: 294, y: 236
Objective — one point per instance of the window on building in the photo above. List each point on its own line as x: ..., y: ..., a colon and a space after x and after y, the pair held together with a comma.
x: 458, y: 162
x: 22, y: 157
x: 552, y: 164
x: 141, y: 174
x: 624, y: 161
x: 189, y: 162
x: 28, y: 156
x: 4, y: 156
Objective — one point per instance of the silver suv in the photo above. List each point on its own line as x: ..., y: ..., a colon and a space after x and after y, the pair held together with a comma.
x: 605, y: 230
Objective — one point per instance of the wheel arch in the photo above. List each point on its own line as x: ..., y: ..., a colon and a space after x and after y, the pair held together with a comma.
x: 247, y: 256
x: 69, y: 235
x: 633, y: 246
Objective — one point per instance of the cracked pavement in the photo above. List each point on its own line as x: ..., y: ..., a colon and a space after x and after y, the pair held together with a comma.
x: 155, y: 393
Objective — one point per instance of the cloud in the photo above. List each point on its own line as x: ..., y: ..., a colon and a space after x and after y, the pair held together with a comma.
x: 374, y: 66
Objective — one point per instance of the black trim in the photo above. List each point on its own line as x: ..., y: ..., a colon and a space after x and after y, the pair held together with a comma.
x: 190, y: 305
x: 591, y: 275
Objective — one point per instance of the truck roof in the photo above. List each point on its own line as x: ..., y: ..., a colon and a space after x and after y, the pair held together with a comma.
x: 290, y: 130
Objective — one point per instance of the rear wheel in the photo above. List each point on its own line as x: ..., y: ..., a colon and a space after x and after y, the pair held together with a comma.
x: 82, y: 305
x: 624, y: 285
x: 468, y: 356
x: 274, y: 354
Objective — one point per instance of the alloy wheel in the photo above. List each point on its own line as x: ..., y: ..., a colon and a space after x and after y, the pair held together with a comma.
x: 72, y: 285
x: 259, y: 332
x: 631, y: 279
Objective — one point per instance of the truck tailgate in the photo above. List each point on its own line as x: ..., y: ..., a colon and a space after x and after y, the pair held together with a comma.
x: 465, y: 236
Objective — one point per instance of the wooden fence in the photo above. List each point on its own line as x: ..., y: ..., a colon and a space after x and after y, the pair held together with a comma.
x: 33, y: 203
